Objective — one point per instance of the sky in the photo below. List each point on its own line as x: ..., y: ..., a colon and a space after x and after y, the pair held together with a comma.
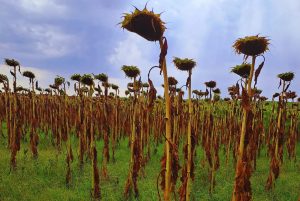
x: 63, y: 37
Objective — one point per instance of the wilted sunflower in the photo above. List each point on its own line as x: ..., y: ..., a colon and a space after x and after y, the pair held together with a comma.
x: 291, y: 95
x: 11, y: 62
x: 53, y: 86
x: 210, y: 84
x: 48, y: 90
x: 145, y: 85
x: 3, y: 78
x: 288, y: 76
x: 196, y: 92
x: 184, y: 64
x: 256, y: 91
x: 251, y: 45
x: 172, y: 81
x: 263, y: 98
x: 102, y: 77
x: 84, y: 89
x: 59, y: 81
x: 144, y: 23
x: 76, y: 77
x: 106, y: 84
x: 131, y: 71
x: 242, y: 70
x: 29, y: 74
x: 217, y: 91
x: 276, y: 95
x: 114, y: 87
x: 20, y: 88
x: 87, y: 79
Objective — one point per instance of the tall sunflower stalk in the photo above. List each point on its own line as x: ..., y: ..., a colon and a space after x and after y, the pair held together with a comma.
x: 148, y: 25
x: 249, y: 46
x: 185, y: 190
x: 135, y: 154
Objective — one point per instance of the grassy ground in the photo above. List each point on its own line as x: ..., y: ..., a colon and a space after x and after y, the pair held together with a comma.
x: 44, y: 178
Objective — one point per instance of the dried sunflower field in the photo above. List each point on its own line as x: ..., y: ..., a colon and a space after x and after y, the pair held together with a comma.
x: 185, y: 145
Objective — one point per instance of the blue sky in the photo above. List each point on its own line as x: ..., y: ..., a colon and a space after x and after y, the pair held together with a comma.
x: 62, y: 37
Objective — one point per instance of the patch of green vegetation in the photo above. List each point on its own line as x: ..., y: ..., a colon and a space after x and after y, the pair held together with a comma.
x: 44, y: 178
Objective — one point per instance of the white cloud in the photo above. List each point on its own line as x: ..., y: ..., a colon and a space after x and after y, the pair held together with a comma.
x: 44, y: 77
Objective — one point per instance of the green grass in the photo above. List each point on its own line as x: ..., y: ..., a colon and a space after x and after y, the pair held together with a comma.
x: 44, y: 178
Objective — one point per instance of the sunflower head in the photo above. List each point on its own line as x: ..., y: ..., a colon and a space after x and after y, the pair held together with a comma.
x: 87, y: 79
x: 114, y: 87
x: 106, y: 85
x: 172, y: 81
x: 102, y: 77
x: 217, y: 91
x: 291, y: 95
x: 251, y: 45
x: 29, y: 74
x: 54, y: 86
x: 145, y: 23
x: 76, y: 77
x: 242, y: 70
x: 288, y: 76
x: 59, y: 81
x: 210, y: 84
x: 263, y: 98
x: 145, y: 84
x: 256, y: 91
x: 196, y: 92
x: 48, y: 90
x: 131, y: 71
x: 184, y: 64
x: 3, y: 78
x: 11, y: 62
x: 127, y: 92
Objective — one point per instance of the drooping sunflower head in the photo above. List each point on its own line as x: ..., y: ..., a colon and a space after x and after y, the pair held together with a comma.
x: 145, y: 23
x: 87, y: 79
x: 29, y: 74
x: 217, y: 91
x: 3, y: 78
x: 145, y: 85
x: 102, y: 77
x: 54, y: 86
x: 11, y: 62
x: 184, y: 64
x: 114, y: 87
x: 210, y: 84
x: 242, y: 70
x: 59, y: 81
x: 76, y: 77
x: 256, y: 91
x: 131, y: 71
x: 251, y: 45
x: 288, y: 76
x: 48, y: 90
x: 172, y: 81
